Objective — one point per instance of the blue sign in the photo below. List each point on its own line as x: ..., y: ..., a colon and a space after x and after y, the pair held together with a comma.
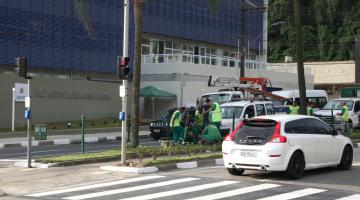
x: 122, y: 116
x: 27, y: 114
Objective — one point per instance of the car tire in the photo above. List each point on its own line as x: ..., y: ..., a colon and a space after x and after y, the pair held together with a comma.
x: 346, y: 158
x: 296, y: 166
x: 236, y: 172
x: 156, y: 138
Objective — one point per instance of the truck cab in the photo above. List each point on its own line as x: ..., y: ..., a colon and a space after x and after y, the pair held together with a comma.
x: 330, y: 111
x: 221, y: 97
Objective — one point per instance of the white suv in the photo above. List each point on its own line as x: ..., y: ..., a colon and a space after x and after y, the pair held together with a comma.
x: 290, y: 143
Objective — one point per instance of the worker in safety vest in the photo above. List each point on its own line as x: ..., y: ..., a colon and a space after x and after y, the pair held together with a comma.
x: 198, y: 126
x: 214, y: 113
x: 309, y: 109
x: 294, y: 109
x: 344, y: 117
x: 211, y: 135
x: 176, y: 128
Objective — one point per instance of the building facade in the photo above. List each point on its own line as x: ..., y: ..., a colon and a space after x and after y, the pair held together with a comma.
x: 184, y: 43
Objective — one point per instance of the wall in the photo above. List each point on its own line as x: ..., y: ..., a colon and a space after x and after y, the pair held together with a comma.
x: 57, y: 100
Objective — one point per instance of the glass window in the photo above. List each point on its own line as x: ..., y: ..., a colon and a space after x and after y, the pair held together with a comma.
x: 249, y: 111
x: 337, y: 104
x: 296, y: 126
x: 255, y: 132
x: 228, y: 111
x: 168, y: 44
x: 269, y: 109
x: 322, y: 102
x: 260, y: 109
x: 357, y: 106
x: 145, y: 50
x: 316, y: 126
x: 145, y: 41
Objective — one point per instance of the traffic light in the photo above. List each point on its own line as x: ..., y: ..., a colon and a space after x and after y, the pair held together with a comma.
x: 122, y: 67
x: 21, y: 67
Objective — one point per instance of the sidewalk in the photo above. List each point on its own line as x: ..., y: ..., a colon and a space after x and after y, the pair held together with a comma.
x: 67, y: 139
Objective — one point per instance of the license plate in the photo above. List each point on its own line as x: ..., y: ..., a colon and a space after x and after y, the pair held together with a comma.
x: 156, y: 130
x: 245, y: 153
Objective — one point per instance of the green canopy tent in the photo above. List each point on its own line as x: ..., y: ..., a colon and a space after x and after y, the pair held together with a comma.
x: 153, y: 92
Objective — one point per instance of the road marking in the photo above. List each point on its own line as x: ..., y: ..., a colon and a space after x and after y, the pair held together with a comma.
x: 356, y: 164
x: 353, y: 197
x: 294, y: 195
x: 86, y: 187
x: 181, y: 191
x: 130, y: 189
x: 236, y: 192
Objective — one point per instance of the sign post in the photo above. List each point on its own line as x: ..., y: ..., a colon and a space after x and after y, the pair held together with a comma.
x: 125, y: 83
x: 28, y: 118
x: 13, y: 111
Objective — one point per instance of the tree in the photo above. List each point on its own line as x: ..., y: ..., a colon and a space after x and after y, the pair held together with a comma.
x: 138, y: 16
x: 300, y: 61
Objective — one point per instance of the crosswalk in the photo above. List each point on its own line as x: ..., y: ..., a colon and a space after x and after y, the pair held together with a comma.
x: 190, y: 188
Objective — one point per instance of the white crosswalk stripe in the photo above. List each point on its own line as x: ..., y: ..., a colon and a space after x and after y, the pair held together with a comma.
x: 130, y: 189
x: 99, y: 185
x: 236, y: 192
x: 189, y: 188
x: 182, y: 190
x: 295, y: 194
x: 353, y: 197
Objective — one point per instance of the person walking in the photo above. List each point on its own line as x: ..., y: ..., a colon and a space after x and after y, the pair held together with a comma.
x: 214, y: 113
x: 344, y: 117
x: 176, y: 128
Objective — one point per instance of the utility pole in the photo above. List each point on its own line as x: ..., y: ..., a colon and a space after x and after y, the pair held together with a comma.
x: 300, y: 61
x: 28, y: 106
x: 242, y: 46
x: 125, y: 83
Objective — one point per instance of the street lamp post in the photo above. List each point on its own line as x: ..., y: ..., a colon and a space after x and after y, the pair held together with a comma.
x: 242, y: 46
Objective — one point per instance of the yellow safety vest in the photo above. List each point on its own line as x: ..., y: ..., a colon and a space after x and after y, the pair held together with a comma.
x: 294, y: 110
x: 345, y: 115
x: 199, y: 118
x: 216, y: 114
x: 175, y: 121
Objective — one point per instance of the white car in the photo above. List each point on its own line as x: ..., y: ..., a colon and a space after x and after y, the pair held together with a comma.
x: 289, y: 143
x: 242, y: 110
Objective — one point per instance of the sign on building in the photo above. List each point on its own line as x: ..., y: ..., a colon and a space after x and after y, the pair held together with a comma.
x: 21, y: 91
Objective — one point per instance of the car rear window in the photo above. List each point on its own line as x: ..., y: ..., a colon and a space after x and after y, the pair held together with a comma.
x: 255, y: 132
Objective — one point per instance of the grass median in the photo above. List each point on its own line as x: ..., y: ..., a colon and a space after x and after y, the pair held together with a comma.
x: 145, y: 156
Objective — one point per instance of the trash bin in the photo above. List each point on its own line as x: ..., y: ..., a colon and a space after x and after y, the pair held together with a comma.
x: 40, y: 132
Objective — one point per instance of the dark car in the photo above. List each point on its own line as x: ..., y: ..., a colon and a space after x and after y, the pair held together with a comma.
x: 160, y: 128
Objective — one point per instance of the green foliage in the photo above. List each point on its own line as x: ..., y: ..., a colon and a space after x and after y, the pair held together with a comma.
x: 329, y: 29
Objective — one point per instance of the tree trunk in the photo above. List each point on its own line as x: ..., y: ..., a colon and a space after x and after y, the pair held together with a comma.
x: 300, y: 61
x: 138, y: 15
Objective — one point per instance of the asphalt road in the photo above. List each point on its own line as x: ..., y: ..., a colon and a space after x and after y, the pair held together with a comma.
x: 215, y: 183
x: 13, y: 153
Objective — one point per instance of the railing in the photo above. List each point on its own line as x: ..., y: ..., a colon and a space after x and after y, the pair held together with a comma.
x: 197, y: 59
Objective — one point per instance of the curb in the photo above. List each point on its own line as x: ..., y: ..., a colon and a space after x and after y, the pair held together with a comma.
x: 183, y: 165
x: 35, y: 143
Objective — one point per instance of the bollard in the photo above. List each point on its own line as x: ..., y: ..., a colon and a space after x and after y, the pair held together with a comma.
x: 82, y: 134
x: 233, y: 122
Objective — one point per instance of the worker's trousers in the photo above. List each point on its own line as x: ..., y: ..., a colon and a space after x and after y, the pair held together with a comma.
x: 178, y: 134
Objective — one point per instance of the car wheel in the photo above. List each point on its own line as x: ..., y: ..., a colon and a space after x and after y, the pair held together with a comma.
x: 346, y: 158
x: 236, y: 172
x: 156, y: 138
x: 296, y: 166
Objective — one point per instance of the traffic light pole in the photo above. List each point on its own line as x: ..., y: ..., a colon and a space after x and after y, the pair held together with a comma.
x: 125, y: 83
x: 29, y: 129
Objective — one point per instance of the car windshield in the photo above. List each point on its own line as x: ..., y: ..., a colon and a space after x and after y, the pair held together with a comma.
x: 167, y: 115
x: 227, y: 111
x: 337, y: 104
x: 220, y: 98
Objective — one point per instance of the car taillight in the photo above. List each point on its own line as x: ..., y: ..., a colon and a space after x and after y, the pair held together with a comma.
x: 277, y: 137
x: 231, y: 136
